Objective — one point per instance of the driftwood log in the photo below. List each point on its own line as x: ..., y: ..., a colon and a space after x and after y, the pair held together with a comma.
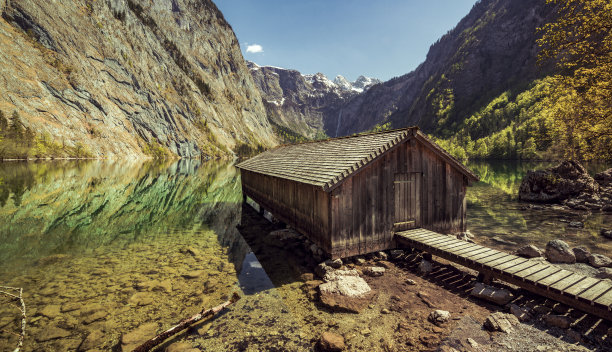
x: 185, y: 323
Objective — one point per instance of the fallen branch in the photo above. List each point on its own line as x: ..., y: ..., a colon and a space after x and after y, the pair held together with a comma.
x: 22, y: 309
x: 184, y: 324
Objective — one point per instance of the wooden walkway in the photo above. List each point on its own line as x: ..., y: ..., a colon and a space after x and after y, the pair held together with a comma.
x: 579, y: 291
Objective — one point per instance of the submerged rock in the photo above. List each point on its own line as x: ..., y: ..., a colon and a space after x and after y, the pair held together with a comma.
x: 51, y: 333
x: 606, y: 233
x: 558, y: 251
x: 137, y: 336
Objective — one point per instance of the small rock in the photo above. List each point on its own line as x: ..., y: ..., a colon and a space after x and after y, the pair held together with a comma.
x: 95, y: 339
x: 366, y: 331
x: 323, y: 269
x: 606, y: 233
x: 574, y: 335
x: 359, y: 260
x: 472, y: 342
x: 529, y: 251
x: 425, y: 266
x: 499, y: 321
x: 600, y: 261
x: 559, y: 321
x: 99, y: 315
x: 410, y: 282
x: 193, y: 274
x: 51, y: 311
x: 576, y: 224
x: 70, y: 306
x: 137, y: 336
x: 191, y: 251
x: 180, y: 346
x: 604, y: 273
x: 582, y: 254
x: 307, y: 277
x: 439, y: 316
x: 501, y: 240
x: 204, y: 329
x: 558, y: 251
x: 141, y: 299
x: 396, y: 254
x: 496, y: 295
x: 522, y: 313
x: 51, y: 333
x: 374, y: 271
x: 385, y: 311
x: 336, y: 263
x: 334, y: 274
x: 382, y: 256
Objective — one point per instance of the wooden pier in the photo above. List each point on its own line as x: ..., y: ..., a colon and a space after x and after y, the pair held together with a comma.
x: 576, y: 290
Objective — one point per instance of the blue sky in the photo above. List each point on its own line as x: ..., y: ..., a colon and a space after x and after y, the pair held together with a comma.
x: 376, y: 38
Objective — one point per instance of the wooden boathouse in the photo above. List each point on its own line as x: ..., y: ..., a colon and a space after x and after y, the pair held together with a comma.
x: 350, y: 195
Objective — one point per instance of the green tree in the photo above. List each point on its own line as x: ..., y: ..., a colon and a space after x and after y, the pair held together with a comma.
x: 580, y: 42
x: 16, y: 129
x: 3, y: 123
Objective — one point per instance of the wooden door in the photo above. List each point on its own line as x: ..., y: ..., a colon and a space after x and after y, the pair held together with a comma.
x: 407, y: 199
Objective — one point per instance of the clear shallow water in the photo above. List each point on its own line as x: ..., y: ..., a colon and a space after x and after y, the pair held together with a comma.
x: 494, y: 211
x: 103, y: 247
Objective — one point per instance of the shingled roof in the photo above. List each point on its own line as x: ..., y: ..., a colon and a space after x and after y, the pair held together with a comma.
x: 327, y: 163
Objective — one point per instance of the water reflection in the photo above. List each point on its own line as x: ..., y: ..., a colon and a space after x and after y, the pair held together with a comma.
x: 495, y: 213
x: 124, y: 242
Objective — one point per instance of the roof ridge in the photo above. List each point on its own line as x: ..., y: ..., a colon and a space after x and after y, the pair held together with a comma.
x: 347, y: 137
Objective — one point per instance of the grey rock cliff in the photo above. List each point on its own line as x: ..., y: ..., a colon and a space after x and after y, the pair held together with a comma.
x: 120, y: 76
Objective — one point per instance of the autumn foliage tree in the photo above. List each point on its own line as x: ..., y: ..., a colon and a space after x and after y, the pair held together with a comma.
x: 580, y: 42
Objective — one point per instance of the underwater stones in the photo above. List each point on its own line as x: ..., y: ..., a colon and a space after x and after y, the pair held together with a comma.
x: 51, y: 332
x: 374, y: 271
x: 52, y: 259
x: 194, y: 274
x: 576, y: 224
x: 529, y: 251
x: 181, y: 346
x: 99, y: 315
x: 95, y: 339
x: 137, y: 336
x: 606, y: 233
x: 51, y: 311
x: 492, y: 294
x: 141, y: 299
x: 331, y: 342
x: 191, y: 251
x: 558, y: 251
x: 600, y: 261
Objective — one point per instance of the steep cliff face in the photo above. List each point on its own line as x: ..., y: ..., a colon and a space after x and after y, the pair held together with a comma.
x: 491, y: 50
x: 305, y: 104
x: 124, y: 77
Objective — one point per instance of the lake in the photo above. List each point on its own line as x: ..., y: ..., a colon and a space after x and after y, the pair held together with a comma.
x: 103, y: 247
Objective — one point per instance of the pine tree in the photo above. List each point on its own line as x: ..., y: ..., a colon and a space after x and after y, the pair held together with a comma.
x: 16, y: 129
x: 3, y: 123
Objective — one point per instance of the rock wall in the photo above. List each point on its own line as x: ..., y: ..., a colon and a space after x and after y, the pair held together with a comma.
x: 121, y: 77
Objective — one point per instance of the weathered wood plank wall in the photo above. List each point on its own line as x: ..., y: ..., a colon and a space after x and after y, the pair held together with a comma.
x: 358, y: 216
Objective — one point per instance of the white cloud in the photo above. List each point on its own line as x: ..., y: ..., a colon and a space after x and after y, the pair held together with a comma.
x: 254, y: 48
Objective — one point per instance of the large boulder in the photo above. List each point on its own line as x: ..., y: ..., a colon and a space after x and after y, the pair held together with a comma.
x: 600, y: 261
x: 556, y: 184
x: 346, y: 293
x: 604, y: 178
x: 529, y: 251
x: 331, y: 342
x: 558, y: 251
